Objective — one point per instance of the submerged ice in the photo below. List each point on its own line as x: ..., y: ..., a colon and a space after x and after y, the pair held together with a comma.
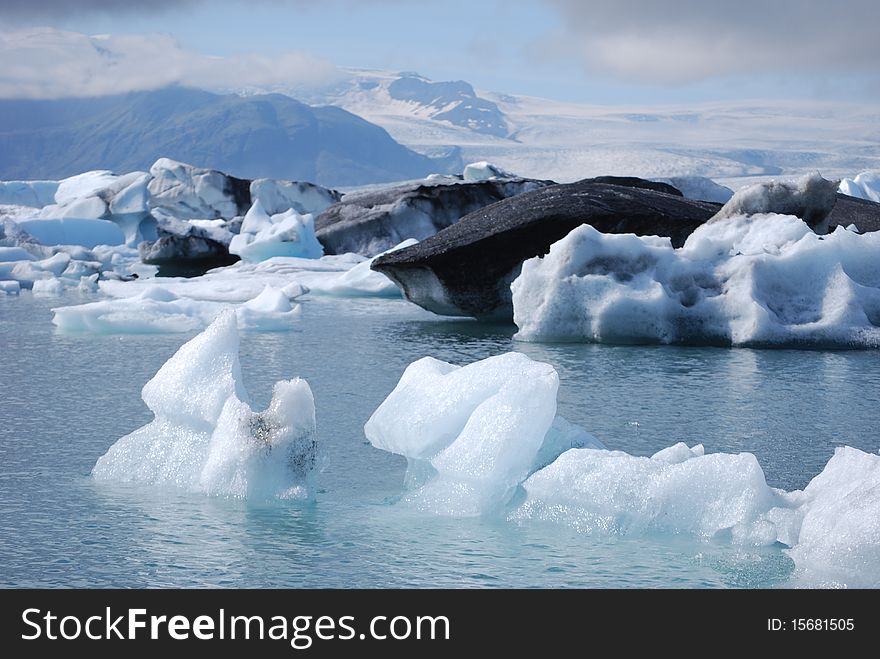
x: 485, y: 438
x: 763, y: 279
x: 205, y: 437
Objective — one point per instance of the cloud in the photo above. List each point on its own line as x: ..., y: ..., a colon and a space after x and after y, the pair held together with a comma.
x: 688, y: 40
x: 24, y: 9
x: 50, y: 63
x: 27, y: 10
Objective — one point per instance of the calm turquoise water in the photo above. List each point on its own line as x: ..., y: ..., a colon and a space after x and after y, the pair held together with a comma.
x: 65, y: 399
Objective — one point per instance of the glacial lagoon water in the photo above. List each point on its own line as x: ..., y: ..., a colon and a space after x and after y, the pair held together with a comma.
x: 64, y: 399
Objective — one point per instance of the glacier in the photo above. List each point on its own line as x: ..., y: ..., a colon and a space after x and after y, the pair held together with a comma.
x: 206, y: 438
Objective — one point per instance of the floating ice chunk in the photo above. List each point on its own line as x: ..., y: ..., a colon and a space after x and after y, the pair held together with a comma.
x: 484, y: 171
x: 471, y: 434
x: 83, y: 185
x: 287, y: 234
x: 264, y: 453
x: 73, y: 231
x: 157, y: 309
x: 757, y: 280
x: 87, y: 208
x: 832, y: 527
x: 9, y: 254
x: 839, y: 539
x: 128, y: 194
x: 270, y: 310
x: 699, y: 188
x: 562, y: 436
x: 810, y: 198
x: 279, y: 196
x: 864, y: 186
x: 678, y: 490
x: 188, y: 192
x: 34, y: 194
x: 361, y: 281
x: 10, y: 287
x: 206, y: 438
x: 48, y: 287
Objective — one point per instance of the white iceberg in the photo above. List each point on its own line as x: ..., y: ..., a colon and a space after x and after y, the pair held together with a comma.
x: 484, y: 171
x: 206, y: 438
x: 472, y: 434
x: 102, y: 195
x: 264, y: 236
x: 188, y: 192
x: 360, y: 280
x: 155, y: 308
x: 864, y: 186
x: 279, y: 196
x: 485, y: 438
x: 831, y: 528
x: 699, y: 188
x: 84, y: 232
x: 809, y: 197
x: 744, y: 280
x: 33, y: 194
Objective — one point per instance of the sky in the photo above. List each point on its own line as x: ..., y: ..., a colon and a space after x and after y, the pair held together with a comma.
x: 595, y: 51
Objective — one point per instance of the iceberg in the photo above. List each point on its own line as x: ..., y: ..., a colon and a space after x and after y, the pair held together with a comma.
x: 187, y: 192
x: 811, y: 198
x: 759, y: 280
x: 484, y: 171
x: 700, y: 188
x: 831, y: 529
x: 285, y: 234
x: 864, y: 186
x: 472, y: 434
x: 206, y: 438
x: 157, y: 309
x: 279, y: 196
x: 73, y: 231
x: 102, y: 195
x: 486, y: 439
x: 360, y: 280
x: 33, y: 194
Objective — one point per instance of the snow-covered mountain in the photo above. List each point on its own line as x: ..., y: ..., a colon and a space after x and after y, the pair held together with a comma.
x: 736, y: 142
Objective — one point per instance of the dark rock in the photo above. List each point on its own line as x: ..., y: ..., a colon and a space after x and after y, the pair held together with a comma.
x: 466, y: 269
x: 373, y: 221
x: 848, y: 210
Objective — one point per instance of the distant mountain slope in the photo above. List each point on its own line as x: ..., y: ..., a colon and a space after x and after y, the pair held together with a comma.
x: 433, y: 106
x: 455, y: 102
x: 735, y: 142
x: 257, y: 136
